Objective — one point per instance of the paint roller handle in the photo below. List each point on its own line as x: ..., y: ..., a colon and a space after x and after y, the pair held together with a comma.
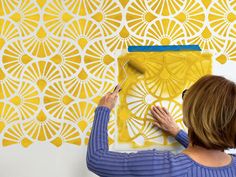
x: 109, y: 100
x: 117, y: 87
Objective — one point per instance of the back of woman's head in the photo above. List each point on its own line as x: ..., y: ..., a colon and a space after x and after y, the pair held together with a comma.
x: 209, y: 111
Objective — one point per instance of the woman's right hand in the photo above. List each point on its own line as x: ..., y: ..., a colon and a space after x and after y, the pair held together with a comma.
x: 164, y: 120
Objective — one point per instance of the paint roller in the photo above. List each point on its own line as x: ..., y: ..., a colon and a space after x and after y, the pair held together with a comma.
x: 136, y: 65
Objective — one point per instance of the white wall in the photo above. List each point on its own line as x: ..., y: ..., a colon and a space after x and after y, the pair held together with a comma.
x: 44, y: 160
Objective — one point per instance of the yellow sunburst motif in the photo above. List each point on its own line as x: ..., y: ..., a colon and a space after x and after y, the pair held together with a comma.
x: 27, y: 17
x: 42, y: 44
x: 192, y: 17
x: 83, y: 86
x: 8, y: 31
x: 56, y: 17
x: 166, y: 7
x: 56, y: 100
x: 174, y: 108
x: 68, y: 58
x: 82, y: 31
x: 138, y: 17
x: 14, y: 59
x: 109, y: 17
x: 148, y: 136
x: 8, y: 6
x: 228, y: 53
x: 165, y: 84
x: 68, y: 134
x: 165, y: 31
x: 81, y: 113
x: 26, y: 100
x: 202, y: 67
x: 178, y: 63
x: 41, y: 128
x: 221, y: 17
x: 42, y: 73
x: 166, y: 75
x: 123, y: 40
x: 108, y: 86
x: 8, y: 114
x: 83, y: 7
x: 138, y: 99
x: 208, y: 41
x: 99, y: 61
x: 8, y: 86
x: 15, y: 135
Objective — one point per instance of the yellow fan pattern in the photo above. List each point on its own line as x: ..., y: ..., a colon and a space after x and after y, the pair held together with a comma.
x: 58, y: 57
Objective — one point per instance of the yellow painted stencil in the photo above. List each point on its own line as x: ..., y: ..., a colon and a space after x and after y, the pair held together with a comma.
x: 166, y: 75
x: 59, y: 57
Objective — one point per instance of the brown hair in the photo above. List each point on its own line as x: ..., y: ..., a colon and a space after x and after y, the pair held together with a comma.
x: 209, y: 112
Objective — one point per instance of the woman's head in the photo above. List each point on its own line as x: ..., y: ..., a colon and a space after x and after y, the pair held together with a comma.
x: 209, y: 111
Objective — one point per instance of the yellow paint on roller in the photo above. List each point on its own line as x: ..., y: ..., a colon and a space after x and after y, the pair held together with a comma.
x: 137, y: 65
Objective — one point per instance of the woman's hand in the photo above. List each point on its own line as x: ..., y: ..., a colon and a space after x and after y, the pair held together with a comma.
x: 164, y: 120
x: 109, y: 100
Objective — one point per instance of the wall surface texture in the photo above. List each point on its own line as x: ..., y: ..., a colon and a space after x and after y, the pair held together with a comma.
x: 58, y: 57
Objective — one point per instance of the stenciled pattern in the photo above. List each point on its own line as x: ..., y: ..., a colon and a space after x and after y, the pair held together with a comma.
x: 58, y: 57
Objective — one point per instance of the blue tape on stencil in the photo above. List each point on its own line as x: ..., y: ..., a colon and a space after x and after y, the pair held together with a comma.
x: 163, y: 48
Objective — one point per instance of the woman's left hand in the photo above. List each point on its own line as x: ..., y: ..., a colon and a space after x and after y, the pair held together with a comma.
x: 164, y: 120
x: 109, y: 100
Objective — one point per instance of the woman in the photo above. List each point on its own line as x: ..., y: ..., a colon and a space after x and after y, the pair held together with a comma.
x: 209, y: 112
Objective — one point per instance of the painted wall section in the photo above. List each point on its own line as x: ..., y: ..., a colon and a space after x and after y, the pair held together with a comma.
x: 58, y: 57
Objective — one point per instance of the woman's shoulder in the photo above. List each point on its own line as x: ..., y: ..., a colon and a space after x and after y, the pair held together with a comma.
x: 185, y: 157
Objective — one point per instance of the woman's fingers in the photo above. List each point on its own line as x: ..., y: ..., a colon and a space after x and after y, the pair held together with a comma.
x: 166, y: 111
x: 108, y: 93
x: 157, y: 111
x: 161, y: 111
x: 117, y: 89
x: 157, y: 124
x: 156, y: 115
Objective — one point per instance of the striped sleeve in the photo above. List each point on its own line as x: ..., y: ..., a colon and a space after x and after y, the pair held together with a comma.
x: 103, y: 162
x: 182, y: 138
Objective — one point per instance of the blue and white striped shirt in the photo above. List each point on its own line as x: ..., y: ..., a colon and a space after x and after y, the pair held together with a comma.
x: 146, y: 163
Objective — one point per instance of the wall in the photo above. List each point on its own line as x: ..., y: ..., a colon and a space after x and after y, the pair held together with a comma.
x: 59, y: 57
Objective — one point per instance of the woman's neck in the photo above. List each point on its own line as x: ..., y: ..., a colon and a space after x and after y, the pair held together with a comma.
x: 208, y: 157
